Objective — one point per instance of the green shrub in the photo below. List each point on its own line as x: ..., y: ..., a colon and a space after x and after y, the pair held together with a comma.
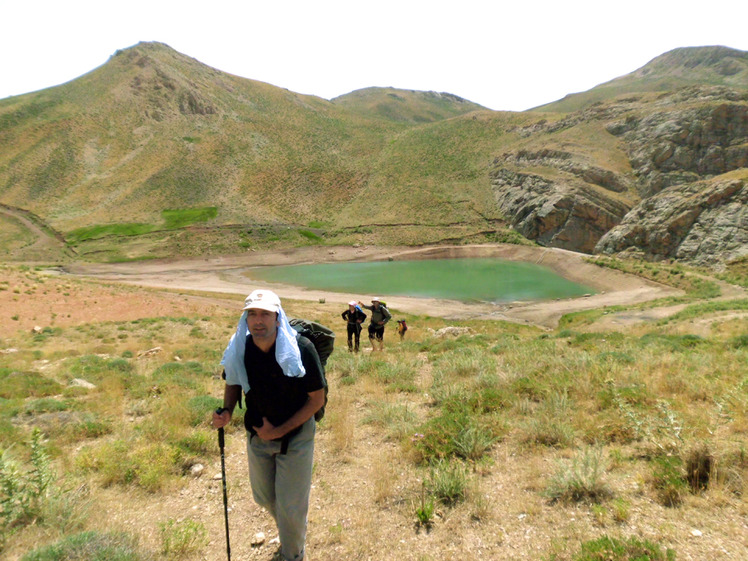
x: 89, y: 426
x: 455, y: 434
x: 739, y: 342
x: 473, y: 441
x: 200, y: 408
x: 530, y: 387
x: 180, y: 538
x: 549, y: 424
x: 632, y: 549
x: 425, y: 510
x: 24, y: 490
x: 632, y: 395
x: 155, y: 465
x: 397, y: 420
x: 448, y: 481
x: 177, y: 374
x: 308, y: 234
x: 580, y: 480
x: 397, y: 377
x: 549, y: 431
x: 675, y: 343
x: 186, y: 216
x: 90, y: 546
x: 21, y: 384
x: 95, y: 369
x: 464, y: 363
x: 199, y: 442
x: 148, y: 465
x: 669, y: 480
x: 46, y: 405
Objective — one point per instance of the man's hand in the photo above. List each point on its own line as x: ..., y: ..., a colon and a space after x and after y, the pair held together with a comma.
x: 267, y: 431
x: 221, y: 419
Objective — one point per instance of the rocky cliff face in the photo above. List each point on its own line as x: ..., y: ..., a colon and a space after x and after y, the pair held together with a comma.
x: 673, y: 147
x: 673, y: 201
x: 704, y: 223
x: 564, y: 212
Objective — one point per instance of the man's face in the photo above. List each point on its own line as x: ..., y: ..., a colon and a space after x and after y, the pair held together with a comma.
x: 262, y: 324
x: 375, y: 303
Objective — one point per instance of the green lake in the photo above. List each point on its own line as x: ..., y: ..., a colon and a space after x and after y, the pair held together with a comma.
x: 467, y: 280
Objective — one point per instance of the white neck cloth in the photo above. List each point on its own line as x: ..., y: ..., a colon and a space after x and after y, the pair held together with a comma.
x: 287, y: 352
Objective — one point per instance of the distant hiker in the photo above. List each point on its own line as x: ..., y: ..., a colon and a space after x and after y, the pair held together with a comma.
x: 355, y: 316
x: 282, y: 378
x: 402, y: 327
x: 380, y: 315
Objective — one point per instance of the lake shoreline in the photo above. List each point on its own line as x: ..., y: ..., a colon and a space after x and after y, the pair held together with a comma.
x: 225, y: 274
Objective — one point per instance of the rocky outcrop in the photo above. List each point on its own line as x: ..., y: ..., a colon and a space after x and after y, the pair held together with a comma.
x: 567, y: 211
x: 555, y: 213
x: 566, y: 161
x: 704, y: 223
x: 672, y: 147
x: 679, y: 147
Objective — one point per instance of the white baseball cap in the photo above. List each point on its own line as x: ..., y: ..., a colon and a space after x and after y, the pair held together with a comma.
x: 262, y: 300
x: 352, y: 303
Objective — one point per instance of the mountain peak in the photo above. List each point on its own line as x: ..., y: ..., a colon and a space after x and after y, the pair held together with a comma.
x: 680, y: 68
x: 723, y: 61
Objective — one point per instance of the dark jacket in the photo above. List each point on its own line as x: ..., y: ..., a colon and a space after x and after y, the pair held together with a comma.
x: 356, y: 316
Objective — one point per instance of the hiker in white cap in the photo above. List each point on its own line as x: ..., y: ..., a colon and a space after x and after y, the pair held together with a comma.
x: 355, y: 316
x: 282, y: 379
x: 380, y: 315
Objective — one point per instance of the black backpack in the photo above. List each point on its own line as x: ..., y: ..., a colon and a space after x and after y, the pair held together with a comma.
x: 323, y: 339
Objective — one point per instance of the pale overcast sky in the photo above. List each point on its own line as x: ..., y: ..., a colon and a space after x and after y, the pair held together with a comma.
x: 510, y: 55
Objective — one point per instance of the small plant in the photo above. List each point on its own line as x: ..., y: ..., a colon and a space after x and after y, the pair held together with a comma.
x: 664, y: 433
x: 398, y: 420
x: 668, y: 480
x: 612, y: 549
x: 179, y: 538
x: 449, y: 481
x: 621, y: 510
x: 472, y: 442
x: 425, y: 512
x: 581, y: 480
x: 22, y: 495
x: 92, y: 546
x: 310, y: 235
x: 699, y: 465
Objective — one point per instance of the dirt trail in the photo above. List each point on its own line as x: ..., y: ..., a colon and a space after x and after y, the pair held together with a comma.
x: 228, y: 274
x: 43, y: 240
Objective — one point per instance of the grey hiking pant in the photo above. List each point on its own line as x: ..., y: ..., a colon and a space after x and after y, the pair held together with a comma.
x: 281, y: 484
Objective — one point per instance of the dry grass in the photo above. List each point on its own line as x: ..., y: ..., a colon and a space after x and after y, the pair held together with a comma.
x: 549, y: 397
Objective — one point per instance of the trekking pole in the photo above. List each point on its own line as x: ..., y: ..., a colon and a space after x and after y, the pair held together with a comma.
x: 223, y: 478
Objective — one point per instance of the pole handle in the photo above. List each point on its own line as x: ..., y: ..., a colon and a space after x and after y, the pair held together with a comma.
x: 220, y: 431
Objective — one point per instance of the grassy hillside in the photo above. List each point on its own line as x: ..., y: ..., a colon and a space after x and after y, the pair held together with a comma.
x: 155, y: 154
x: 153, y: 131
x: 405, y: 105
x: 687, y: 66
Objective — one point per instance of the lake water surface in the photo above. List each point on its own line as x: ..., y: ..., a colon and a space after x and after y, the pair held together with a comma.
x: 483, y: 279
